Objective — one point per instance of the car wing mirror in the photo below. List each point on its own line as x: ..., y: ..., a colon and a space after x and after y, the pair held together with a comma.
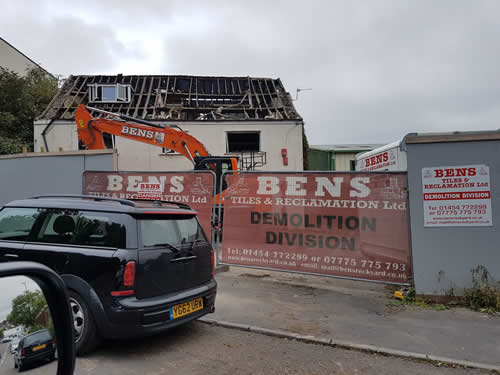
x: 54, y: 291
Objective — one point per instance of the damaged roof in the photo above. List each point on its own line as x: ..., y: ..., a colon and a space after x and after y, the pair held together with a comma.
x: 180, y: 98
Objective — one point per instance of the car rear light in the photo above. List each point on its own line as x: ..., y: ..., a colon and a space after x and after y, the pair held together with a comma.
x: 212, y: 260
x: 128, y: 281
x: 129, y: 274
x: 121, y: 293
x: 22, y: 352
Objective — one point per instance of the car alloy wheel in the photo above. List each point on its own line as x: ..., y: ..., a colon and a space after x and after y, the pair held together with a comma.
x: 78, y: 318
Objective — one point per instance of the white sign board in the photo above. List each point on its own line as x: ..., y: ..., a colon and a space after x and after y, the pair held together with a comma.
x: 149, y: 191
x: 386, y: 160
x: 457, y: 196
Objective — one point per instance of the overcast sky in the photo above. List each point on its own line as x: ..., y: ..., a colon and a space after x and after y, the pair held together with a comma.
x: 11, y: 287
x: 378, y: 69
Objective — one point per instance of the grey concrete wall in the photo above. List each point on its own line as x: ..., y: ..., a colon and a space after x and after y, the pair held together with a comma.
x: 50, y: 173
x: 444, y: 256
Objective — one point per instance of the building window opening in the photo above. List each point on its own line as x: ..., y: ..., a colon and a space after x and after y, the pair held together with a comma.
x: 243, y: 142
x: 109, y: 140
x: 109, y: 93
x: 352, y: 165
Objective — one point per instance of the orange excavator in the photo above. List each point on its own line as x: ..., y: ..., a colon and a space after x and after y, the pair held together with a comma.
x: 90, y: 136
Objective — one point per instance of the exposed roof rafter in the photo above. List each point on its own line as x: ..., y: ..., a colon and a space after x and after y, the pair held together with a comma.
x: 182, y: 98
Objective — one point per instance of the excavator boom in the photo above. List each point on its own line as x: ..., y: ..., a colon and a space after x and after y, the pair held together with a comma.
x: 91, y: 130
x: 90, y: 133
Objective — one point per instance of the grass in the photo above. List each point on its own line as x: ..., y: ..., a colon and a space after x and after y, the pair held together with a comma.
x: 482, y: 297
x: 419, y: 303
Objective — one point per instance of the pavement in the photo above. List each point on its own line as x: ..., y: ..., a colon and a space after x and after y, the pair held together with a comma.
x: 4, y: 356
x: 355, y: 312
x: 198, y: 348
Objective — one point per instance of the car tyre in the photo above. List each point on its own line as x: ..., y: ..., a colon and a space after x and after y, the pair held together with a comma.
x: 20, y: 367
x: 15, y: 363
x: 86, y: 338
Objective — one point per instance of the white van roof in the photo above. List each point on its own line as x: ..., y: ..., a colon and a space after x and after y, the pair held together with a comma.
x: 457, y: 136
x: 379, y: 150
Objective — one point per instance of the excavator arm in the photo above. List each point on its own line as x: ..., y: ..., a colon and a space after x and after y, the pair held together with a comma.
x: 90, y: 133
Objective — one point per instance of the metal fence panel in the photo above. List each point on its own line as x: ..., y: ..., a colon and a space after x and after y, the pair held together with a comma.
x: 349, y: 225
x: 194, y: 188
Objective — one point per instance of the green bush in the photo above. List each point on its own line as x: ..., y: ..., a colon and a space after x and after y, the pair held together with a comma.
x: 482, y: 296
x: 412, y: 295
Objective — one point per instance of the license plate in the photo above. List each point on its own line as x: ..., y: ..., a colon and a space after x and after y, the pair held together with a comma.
x: 39, y: 347
x: 186, y: 308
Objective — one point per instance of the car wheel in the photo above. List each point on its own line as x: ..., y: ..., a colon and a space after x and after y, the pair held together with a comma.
x: 15, y: 363
x: 84, y: 328
x: 20, y: 367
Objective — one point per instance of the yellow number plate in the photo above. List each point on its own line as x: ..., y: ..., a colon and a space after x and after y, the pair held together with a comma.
x: 39, y: 347
x: 186, y: 308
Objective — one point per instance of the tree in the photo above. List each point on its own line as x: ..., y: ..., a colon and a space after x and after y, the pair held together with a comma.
x: 1, y: 333
x: 25, y: 309
x: 22, y: 99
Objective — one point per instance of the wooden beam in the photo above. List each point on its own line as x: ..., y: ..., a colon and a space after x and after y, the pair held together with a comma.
x: 74, y: 96
x: 273, y: 103
x: 133, y: 95
x: 158, y: 96
x: 140, y: 97
x: 196, y: 90
x: 264, y: 97
x: 250, y: 99
x: 190, y: 86
x: 256, y: 94
x: 146, y: 105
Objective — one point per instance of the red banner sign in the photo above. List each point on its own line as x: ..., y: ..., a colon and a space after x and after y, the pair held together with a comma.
x: 351, y: 225
x: 195, y: 189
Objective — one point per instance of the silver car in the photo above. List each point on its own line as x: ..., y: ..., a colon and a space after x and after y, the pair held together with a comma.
x: 13, y: 345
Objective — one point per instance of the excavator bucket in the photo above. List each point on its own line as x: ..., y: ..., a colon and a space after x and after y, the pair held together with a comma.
x: 91, y: 138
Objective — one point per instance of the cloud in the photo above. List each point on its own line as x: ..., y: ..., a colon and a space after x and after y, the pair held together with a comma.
x: 69, y: 45
x: 378, y: 70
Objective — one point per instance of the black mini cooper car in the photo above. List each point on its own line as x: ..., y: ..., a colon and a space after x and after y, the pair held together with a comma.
x: 131, y: 268
x: 35, y: 347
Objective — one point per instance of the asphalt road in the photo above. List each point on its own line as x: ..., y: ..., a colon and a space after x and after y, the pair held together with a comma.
x: 5, y: 357
x: 201, y: 349
x: 353, y: 311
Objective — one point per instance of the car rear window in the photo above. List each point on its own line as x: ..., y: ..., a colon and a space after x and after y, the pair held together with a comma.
x: 36, y: 338
x: 172, y: 229
x: 16, y: 223
x: 85, y: 228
